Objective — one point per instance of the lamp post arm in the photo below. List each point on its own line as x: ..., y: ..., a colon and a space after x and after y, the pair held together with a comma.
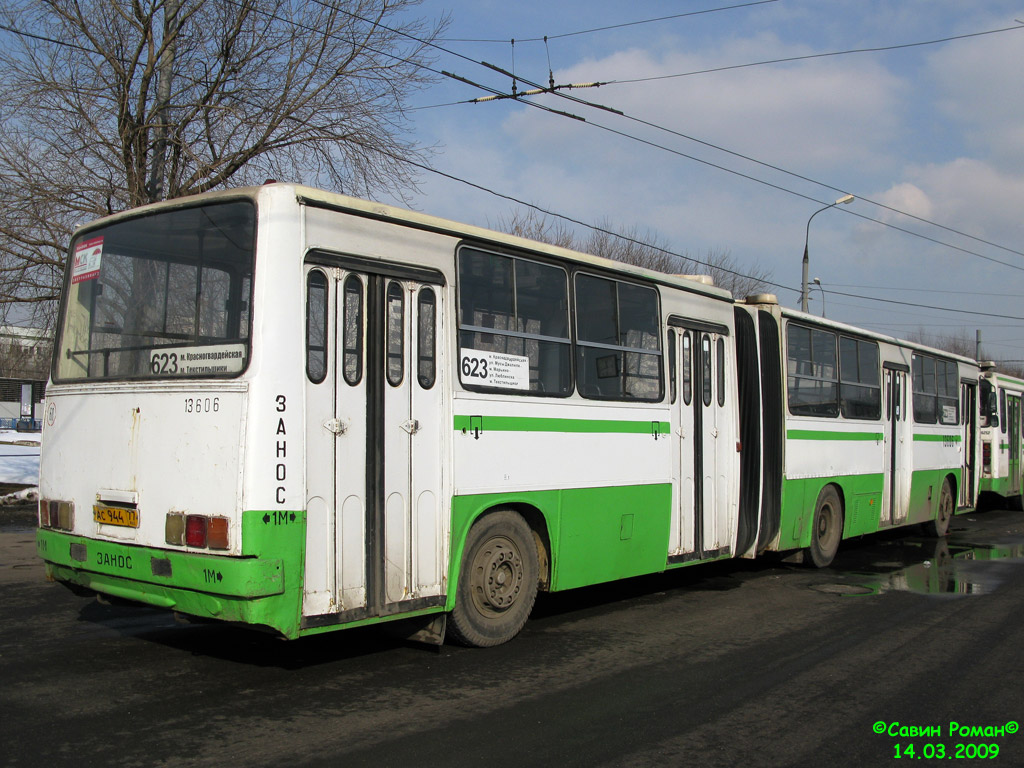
x: 807, y: 237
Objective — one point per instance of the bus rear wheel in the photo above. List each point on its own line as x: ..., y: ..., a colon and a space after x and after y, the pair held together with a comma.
x: 497, y: 583
x: 940, y: 525
x: 826, y: 528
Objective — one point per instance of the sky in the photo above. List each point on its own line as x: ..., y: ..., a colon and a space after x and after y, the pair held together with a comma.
x: 739, y: 159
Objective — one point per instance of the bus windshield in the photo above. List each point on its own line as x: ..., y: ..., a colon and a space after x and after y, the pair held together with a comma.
x: 161, y: 296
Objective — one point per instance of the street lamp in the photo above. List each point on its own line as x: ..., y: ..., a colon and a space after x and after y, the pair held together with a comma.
x: 803, y: 286
x: 817, y: 282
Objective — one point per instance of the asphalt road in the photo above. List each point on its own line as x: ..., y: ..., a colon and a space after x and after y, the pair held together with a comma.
x: 733, y: 664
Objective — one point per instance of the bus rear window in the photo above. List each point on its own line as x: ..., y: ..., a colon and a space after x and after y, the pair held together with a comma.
x: 166, y: 295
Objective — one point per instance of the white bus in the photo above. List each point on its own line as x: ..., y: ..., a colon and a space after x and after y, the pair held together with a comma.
x: 306, y: 412
x: 860, y: 431
x: 1001, y: 436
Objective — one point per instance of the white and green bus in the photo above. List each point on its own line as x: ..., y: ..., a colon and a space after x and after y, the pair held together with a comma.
x: 305, y: 412
x: 1002, y: 441
x: 860, y: 432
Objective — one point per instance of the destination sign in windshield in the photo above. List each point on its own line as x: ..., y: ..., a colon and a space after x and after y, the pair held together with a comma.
x: 197, y: 361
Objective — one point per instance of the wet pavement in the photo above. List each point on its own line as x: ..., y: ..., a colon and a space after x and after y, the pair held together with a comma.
x: 961, y: 564
x: 752, y: 663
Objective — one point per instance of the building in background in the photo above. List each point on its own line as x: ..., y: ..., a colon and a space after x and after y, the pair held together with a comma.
x: 24, y: 368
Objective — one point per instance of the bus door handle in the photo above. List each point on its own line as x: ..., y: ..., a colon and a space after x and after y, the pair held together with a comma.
x: 337, y: 426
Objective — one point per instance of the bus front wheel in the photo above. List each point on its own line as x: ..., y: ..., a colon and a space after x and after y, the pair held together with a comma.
x: 497, y: 583
x: 826, y: 528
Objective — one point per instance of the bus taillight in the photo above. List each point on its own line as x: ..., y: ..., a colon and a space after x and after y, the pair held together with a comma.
x: 217, y: 533
x: 56, y: 514
x: 195, y: 531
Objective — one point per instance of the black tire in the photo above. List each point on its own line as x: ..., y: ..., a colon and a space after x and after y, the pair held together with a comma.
x: 826, y: 528
x: 497, y: 581
x: 940, y: 525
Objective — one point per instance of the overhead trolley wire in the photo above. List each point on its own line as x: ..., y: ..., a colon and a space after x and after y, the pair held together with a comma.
x: 740, y: 173
x: 561, y: 94
x: 430, y: 169
x: 641, y: 121
x: 609, y: 27
x: 788, y: 59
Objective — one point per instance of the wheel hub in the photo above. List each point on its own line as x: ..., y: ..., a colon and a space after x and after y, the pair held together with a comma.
x: 498, y: 575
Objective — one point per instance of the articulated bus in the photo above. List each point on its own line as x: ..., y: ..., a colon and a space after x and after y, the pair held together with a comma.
x: 305, y: 412
x: 861, y: 432
x: 1001, y: 437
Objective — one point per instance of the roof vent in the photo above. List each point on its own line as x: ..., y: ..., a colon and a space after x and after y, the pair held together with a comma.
x: 762, y: 298
x: 702, y: 279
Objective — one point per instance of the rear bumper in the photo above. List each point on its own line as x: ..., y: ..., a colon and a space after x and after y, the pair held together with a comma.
x: 263, y: 589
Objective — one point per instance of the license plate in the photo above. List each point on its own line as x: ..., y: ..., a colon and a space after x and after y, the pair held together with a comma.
x: 122, y: 516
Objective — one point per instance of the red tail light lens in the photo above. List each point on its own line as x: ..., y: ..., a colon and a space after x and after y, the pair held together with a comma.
x: 195, y: 531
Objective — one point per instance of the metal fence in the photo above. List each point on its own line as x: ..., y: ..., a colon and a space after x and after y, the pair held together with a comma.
x: 22, y: 425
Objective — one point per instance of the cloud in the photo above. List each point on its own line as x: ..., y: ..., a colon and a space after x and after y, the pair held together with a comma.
x: 979, y: 83
x: 813, y: 116
x: 909, y: 198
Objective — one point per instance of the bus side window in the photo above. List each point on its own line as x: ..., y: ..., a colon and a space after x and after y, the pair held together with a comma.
x: 705, y: 362
x: 395, y: 341
x: 672, y: 365
x: 316, y: 326
x: 926, y: 392
x: 687, y: 368
x: 888, y: 396
x: 426, y: 345
x: 860, y: 394
x: 721, y: 370
x: 618, y: 345
x: 352, y: 343
x: 812, y: 380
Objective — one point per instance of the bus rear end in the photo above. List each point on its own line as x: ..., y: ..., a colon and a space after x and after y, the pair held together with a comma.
x: 141, y: 477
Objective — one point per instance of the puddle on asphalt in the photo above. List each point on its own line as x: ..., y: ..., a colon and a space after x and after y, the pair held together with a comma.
x: 929, y: 567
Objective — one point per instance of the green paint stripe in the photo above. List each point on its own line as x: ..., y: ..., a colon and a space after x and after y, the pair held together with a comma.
x: 813, y: 434
x: 538, y: 424
x: 216, y: 574
x: 921, y: 438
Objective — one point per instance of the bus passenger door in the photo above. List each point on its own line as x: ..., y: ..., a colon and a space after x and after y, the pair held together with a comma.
x: 374, y: 444
x: 414, y: 532
x: 895, y: 498
x: 336, y: 439
x: 701, y: 420
x: 1013, y: 434
x: 969, y: 443
x: 687, y: 452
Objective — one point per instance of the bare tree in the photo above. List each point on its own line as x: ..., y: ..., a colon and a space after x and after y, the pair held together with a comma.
x: 964, y: 343
x: 960, y: 343
x: 641, y: 249
x: 739, y: 279
x: 528, y: 223
x: 111, y: 104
